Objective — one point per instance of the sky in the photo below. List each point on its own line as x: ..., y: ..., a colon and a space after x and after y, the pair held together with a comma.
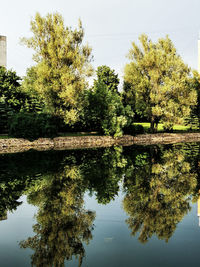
x: 110, y: 27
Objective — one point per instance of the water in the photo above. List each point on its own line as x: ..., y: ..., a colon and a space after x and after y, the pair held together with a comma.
x: 131, y: 206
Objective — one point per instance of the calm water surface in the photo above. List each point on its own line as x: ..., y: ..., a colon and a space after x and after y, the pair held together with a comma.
x: 122, y: 206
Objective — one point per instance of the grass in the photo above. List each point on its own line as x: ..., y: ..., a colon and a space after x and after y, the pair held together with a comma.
x: 181, y: 128
x: 4, y: 136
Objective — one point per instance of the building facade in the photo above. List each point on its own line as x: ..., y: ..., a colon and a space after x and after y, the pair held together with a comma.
x: 3, y: 51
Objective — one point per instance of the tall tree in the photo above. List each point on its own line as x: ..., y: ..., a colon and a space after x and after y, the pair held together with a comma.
x: 104, y: 111
x: 159, y: 79
x: 63, y: 64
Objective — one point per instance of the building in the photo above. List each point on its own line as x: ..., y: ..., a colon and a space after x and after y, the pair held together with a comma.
x: 3, y: 51
x: 199, y: 54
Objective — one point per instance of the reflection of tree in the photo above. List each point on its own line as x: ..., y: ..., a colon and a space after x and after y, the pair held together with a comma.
x: 103, y: 170
x: 192, y: 151
x: 62, y: 222
x: 158, y: 192
x: 17, y: 174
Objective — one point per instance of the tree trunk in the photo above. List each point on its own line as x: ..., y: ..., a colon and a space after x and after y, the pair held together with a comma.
x: 152, y: 125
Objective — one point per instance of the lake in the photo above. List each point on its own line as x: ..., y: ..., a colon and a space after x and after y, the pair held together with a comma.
x: 120, y: 206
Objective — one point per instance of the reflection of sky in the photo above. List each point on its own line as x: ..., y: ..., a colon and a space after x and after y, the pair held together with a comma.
x: 110, y: 26
x: 17, y: 227
x: 112, y: 244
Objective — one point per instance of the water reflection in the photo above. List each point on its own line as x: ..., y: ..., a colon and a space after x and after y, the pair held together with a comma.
x: 159, y: 183
x: 159, y: 187
x: 62, y: 222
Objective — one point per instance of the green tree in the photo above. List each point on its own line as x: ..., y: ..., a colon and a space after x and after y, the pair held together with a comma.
x: 63, y: 64
x: 108, y: 77
x: 29, y: 88
x: 12, y: 97
x: 104, y: 110
x: 10, y: 90
x: 160, y: 82
x: 194, y: 118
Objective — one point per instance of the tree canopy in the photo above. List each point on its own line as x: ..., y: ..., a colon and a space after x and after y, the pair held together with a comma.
x: 106, y: 75
x: 159, y: 80
x: 63, y: 64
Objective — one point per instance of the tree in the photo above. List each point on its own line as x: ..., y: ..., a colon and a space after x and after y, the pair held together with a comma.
x: 63, y: 64
x: 12, y: 98
x: 159, y: 80
x: 104, y: 111
x: 194, y: 118
x: 108, y: 77
x: 12, y: 94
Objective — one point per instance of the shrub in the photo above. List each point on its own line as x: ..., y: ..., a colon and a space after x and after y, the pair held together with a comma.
x: 134, y: 129
x: 32, y: 126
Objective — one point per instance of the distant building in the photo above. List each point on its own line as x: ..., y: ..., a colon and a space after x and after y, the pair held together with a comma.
x: 199, y: 54
x: 3, y: 51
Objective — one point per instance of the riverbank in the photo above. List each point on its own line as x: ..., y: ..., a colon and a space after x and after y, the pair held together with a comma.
x: 14, y: 145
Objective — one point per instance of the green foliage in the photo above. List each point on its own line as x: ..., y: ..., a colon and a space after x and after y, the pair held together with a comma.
x: 108, y: 77
x: 12, y: 95
x: 159, y: 81
x: 104, y: 111
x: 32, y: 125
x: 193, y: 120
x: 63, y: 64
x: 10, y: 92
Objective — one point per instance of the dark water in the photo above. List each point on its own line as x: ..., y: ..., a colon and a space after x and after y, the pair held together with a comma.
x: 131, y: 206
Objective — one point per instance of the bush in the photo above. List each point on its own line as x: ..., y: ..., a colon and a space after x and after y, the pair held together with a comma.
x: 32, y: 126
x: 134, y: 129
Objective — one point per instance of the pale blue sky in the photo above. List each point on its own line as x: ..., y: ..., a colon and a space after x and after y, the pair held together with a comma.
x: 110, y: 26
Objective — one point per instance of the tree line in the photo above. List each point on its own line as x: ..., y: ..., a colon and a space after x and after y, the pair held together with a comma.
x: 158, y: 86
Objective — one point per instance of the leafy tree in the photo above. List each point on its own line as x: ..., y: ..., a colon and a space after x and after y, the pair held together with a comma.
x: 10, y: 91
x: 108, y: 77
x: 63, y: 64
x: 194, y: 118
x: 159, y: 80
x: 12, y: 97
x: 104, y: 110
x: 29, y: 88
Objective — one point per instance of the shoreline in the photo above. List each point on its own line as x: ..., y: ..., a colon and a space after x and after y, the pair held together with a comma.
x: 15, y: 145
